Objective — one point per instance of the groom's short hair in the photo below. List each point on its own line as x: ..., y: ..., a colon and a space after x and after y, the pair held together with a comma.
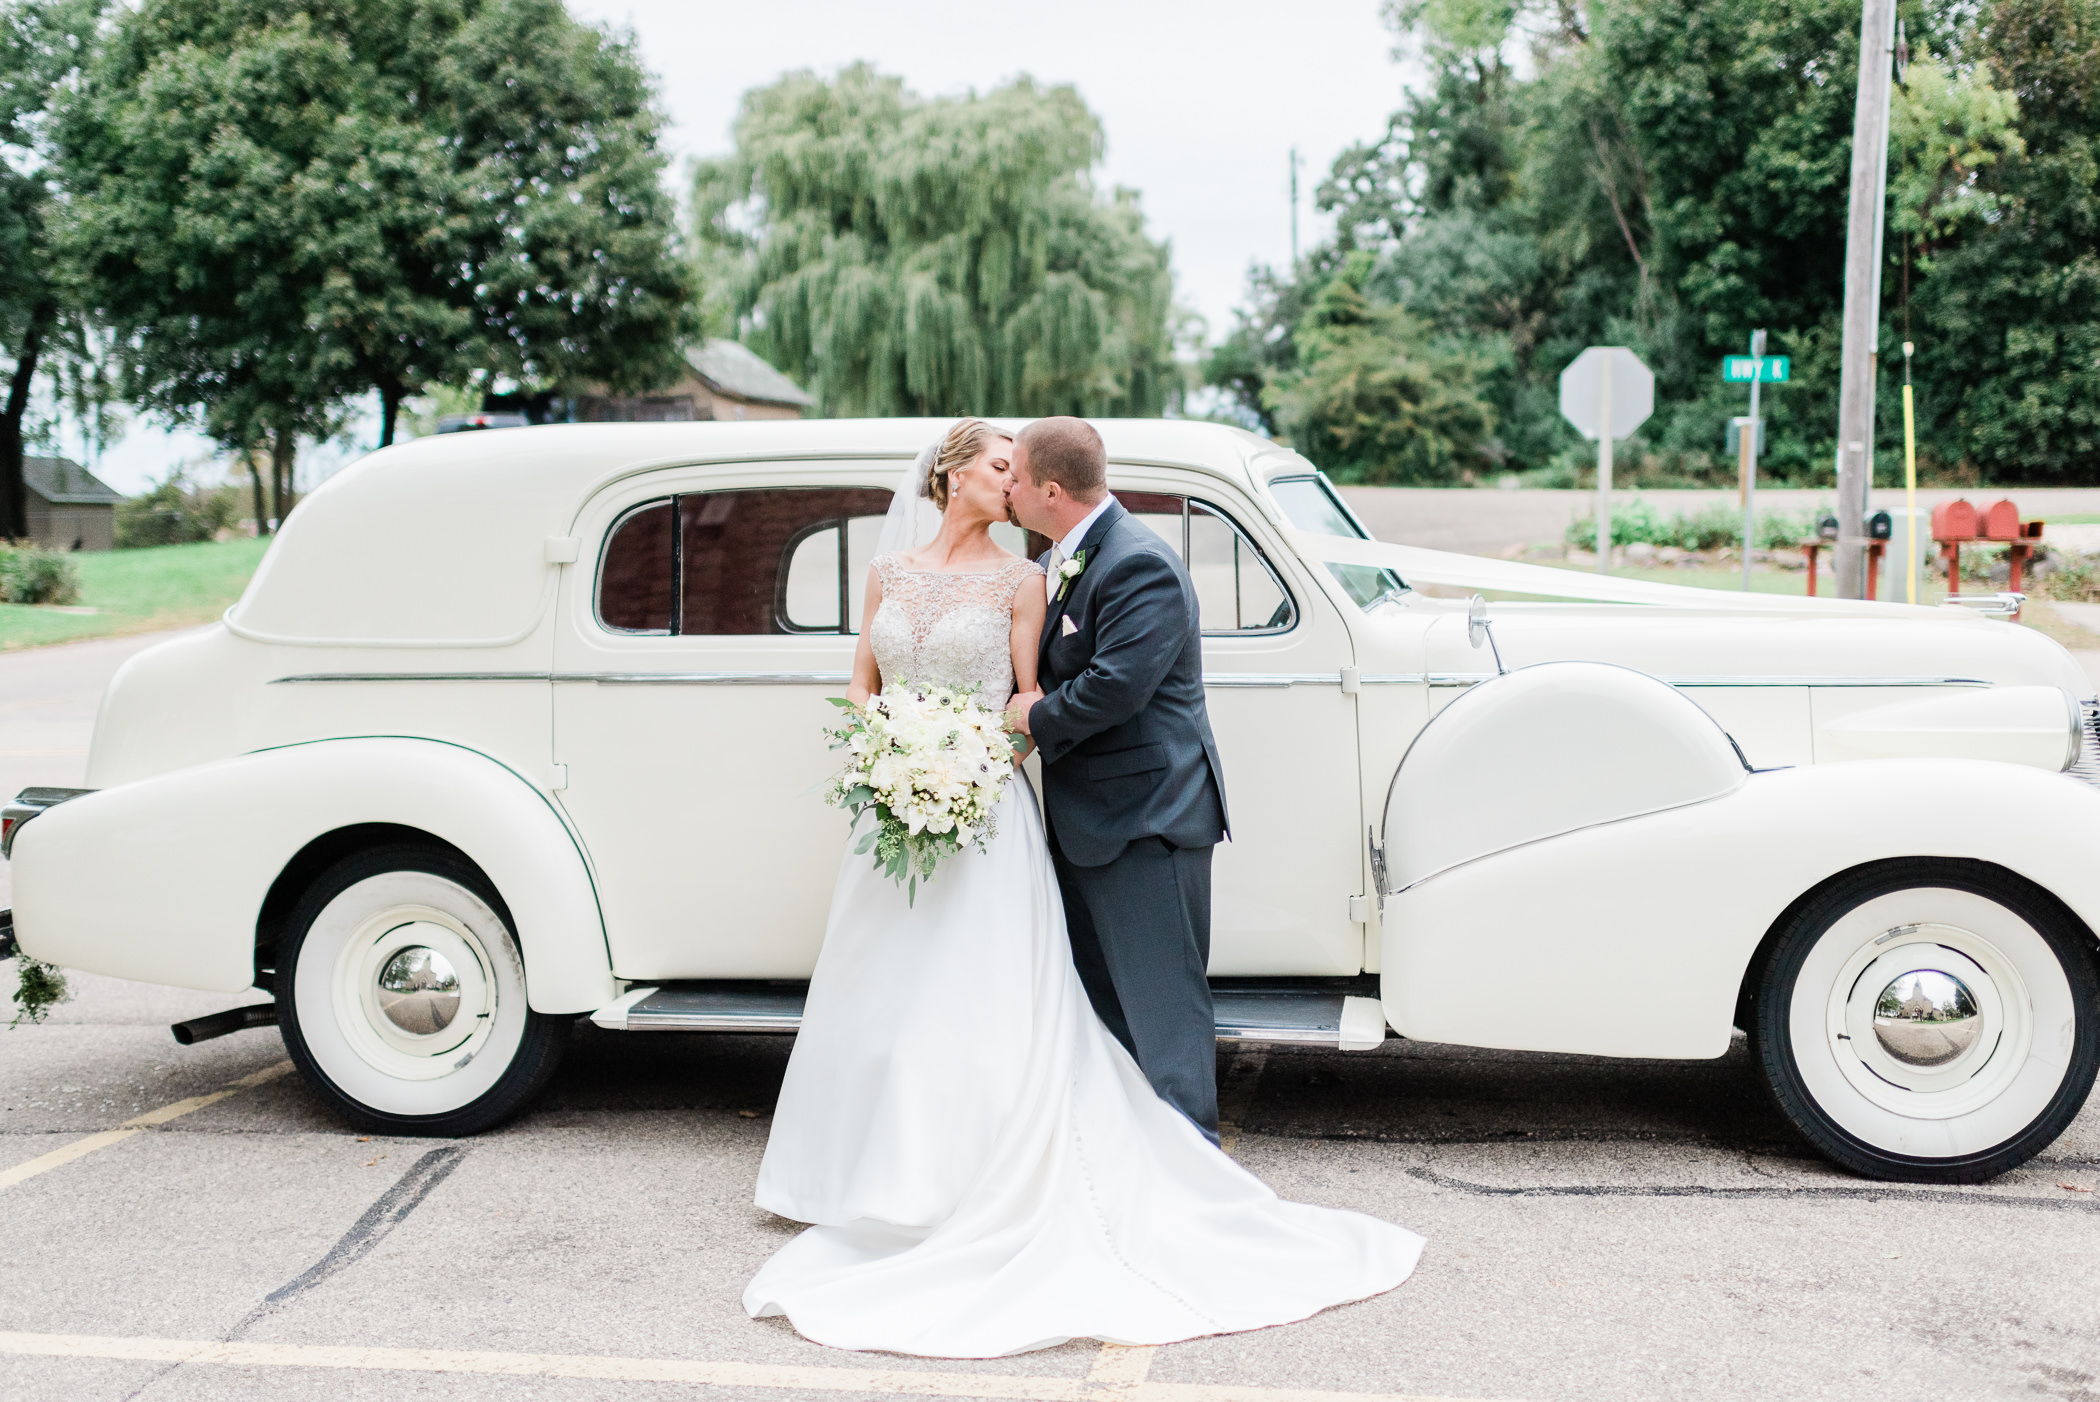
x: 1068, y: 452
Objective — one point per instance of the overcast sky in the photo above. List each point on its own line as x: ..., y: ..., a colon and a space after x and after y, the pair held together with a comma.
x: 1201, y: 103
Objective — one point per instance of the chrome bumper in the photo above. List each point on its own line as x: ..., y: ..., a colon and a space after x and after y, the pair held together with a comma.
x: 26, y: 805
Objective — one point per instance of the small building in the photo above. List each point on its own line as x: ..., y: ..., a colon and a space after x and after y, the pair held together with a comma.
x: 69, y: 507
x: 724, y: 380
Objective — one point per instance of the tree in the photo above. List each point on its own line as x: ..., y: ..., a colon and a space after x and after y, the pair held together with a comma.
x: 938, y: 257
x: 1373, y: 398
x: 280, y: 209
x: 41, y: 43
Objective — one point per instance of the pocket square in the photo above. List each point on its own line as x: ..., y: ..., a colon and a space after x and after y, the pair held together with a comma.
x: 1066, y: 627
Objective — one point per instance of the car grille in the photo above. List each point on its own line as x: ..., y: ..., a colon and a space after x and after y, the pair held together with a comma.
x: 2088, y: 765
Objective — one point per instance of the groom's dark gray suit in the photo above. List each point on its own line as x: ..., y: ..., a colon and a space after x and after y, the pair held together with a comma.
x: 1135, y: 800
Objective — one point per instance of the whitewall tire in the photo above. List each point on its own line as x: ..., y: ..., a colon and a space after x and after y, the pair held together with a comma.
x: 401, y: 994
x: 1929, y: 1020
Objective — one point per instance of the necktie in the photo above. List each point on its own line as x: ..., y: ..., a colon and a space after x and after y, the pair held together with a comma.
x: 1057, y: 560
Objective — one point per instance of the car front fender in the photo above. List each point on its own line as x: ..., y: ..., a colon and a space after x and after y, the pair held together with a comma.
x: 1631, y: 938
x: 164, y: 880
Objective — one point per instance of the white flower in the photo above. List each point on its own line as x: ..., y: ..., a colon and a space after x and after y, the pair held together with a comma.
x: 1070, y: 569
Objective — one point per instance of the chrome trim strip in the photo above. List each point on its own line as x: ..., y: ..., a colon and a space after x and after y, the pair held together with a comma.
x: 1227, y: 680
x: 1216, y: 679
x: 415, y: 677
x: 1442, y: 679
x: 708, y: 678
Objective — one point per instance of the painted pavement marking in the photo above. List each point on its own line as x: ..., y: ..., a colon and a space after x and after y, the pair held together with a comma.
x: 886, y: 1381
x: 79, y: 1148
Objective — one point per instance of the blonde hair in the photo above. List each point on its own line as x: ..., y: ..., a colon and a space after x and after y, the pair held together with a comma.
x: 958, y: 449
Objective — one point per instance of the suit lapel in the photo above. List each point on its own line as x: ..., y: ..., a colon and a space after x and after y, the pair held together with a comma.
x: 1088, y: 544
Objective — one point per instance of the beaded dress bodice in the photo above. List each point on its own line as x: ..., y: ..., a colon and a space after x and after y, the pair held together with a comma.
x: 949, y: 629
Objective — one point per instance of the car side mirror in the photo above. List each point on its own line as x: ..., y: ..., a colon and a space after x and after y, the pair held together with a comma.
x: 1479, y: 630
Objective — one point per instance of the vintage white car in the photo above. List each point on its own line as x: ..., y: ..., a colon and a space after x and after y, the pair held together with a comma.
x: 513, y: 728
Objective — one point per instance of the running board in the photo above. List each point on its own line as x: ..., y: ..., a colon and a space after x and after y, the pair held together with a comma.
x: 1303, y: 1017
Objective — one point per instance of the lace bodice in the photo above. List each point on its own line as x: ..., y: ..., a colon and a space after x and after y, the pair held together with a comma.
x: 949, y: 629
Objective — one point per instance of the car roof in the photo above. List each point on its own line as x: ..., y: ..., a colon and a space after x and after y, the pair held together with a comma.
x: 439, y: 541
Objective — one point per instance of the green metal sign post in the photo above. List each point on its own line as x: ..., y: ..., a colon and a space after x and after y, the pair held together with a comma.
x: 1752, y: 369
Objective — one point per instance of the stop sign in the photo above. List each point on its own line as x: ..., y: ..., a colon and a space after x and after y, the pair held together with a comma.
x: 1607, y: 385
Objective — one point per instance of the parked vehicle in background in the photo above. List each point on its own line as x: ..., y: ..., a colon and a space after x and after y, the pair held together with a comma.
x: 474, y: 423
x: 507, y: 733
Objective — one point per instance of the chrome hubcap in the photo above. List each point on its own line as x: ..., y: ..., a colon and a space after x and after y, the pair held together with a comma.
x: 1926, y: 1018
x: 419, y: 991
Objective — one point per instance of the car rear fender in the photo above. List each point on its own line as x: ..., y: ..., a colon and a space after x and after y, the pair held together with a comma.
x: 165, y: 880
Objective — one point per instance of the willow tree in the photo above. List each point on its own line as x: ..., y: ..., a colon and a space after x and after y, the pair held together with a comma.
x: 909, y: 256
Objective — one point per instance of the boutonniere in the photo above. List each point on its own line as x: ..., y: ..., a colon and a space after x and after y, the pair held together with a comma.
x: 1069, y: 571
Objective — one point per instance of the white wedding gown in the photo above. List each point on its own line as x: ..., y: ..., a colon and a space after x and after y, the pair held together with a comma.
x: 987, y: 1169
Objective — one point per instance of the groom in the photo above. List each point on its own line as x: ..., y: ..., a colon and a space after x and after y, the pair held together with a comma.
x: 1131, y: 782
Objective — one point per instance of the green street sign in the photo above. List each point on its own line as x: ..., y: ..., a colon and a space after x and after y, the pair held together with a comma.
x: 1740, y: 369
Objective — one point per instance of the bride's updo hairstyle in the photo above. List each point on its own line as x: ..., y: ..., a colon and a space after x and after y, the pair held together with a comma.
x: 959, y: 449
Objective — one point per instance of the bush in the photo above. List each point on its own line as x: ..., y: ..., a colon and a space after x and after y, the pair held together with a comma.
x: 1709, y: 529
x: 2075, y: 581
x: 176, y: 513
x: 32, y: 576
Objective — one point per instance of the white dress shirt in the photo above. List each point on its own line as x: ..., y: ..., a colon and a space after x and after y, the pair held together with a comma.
x: 1069, y: 546
x: 1065, y: 549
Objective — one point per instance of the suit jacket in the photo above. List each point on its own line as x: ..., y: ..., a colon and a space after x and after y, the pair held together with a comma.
x: 1124, y: 733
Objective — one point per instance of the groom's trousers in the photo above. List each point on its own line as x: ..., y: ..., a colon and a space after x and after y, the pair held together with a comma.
x: 1140, y: 928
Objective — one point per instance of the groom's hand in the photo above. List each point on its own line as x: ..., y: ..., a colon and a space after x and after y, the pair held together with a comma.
x: 1017, y: 710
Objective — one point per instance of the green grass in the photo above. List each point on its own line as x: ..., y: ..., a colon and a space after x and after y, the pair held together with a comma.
x: 2087, y: 520
x: 137, y: 591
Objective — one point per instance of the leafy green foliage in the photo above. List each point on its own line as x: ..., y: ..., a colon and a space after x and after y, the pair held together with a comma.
x: 900, y: 255
x: 42, y: 43
x: 39, y: 987
x: 1669, y: 176
x: 1712, y: 528
x: 29, y: 575
x: 175, y: 512
x: 281, y: 208
x: 1373, y: 397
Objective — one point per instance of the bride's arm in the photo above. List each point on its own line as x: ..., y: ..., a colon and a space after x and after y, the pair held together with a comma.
x: 1025, y: 640
x: 867, y: 678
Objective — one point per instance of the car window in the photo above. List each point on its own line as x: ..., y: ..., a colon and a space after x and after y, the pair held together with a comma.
x: 770, y: 560
x: 1312, y: 504
x: 637, y: 574
x: 1236, y: 590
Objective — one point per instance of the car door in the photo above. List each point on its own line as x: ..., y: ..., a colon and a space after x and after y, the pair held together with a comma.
x: 692, y: 674
x: 1273, y: 652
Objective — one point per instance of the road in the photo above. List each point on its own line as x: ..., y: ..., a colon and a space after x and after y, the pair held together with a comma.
x: 190, y: 1223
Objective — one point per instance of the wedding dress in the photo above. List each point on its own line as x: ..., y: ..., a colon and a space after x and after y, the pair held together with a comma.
x: 987, y: 1169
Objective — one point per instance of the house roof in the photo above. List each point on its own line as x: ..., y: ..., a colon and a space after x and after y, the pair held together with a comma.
x: 731, y: 368
x: 63, y: 482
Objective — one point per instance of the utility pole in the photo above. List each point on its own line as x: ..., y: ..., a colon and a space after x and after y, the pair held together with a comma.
x: 1862, y: 314
x: 1294, y: 209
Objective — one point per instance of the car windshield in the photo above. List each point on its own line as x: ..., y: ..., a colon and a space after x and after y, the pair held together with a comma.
x: 1311, y: 504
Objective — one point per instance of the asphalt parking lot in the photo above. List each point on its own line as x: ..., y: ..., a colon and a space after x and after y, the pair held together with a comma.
x: 189, y: 1223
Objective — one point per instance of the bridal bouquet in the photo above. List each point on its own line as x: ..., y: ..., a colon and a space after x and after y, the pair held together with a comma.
x: 932, y: 763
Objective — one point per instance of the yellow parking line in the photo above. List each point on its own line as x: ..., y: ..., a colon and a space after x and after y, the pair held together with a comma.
x: 66, y: 1153
x: 894, y: 1382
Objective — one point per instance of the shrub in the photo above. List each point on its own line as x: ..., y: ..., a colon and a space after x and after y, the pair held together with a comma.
x: 32, y: 576
x: 174, y: 512
x: 1709, y: 529
x: 2076, y: 580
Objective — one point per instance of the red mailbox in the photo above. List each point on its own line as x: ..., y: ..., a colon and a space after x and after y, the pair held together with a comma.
x: 1954, y: 520
x: 2001, y: 521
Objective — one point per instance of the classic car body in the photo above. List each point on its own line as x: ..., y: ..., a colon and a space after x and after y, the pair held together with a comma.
x: 583, y: 670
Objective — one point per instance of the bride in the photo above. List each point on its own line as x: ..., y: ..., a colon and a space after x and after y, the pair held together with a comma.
x: 986, y: 1169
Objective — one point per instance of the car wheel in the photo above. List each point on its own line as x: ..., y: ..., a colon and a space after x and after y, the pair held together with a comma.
x: 1929, y: 1020
x: 401, y: 995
